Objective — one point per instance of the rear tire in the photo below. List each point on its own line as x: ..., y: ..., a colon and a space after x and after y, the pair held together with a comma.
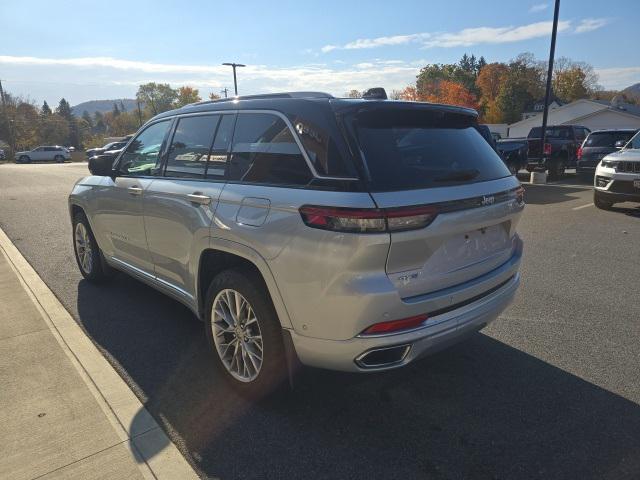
x: 59, y: 158
x: 601, y: 203
x: 88, y: 254
x: 247, y: 344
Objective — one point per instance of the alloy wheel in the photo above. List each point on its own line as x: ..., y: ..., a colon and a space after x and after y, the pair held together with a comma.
x: 83, y: 247
x: 237, y: 335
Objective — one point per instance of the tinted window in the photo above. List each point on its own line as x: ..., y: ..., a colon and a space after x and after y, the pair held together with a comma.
x: 322, y: 149
x: 634, y: 142
x: 552, y: 132
x: 190, y: 146
x: 408, y: 148
x: 607, y: 139
x: 220, y: 151
x: 142, y: 157
x: 264, y: 151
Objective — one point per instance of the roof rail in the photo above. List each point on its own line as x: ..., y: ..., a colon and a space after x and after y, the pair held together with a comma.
x: 267, y: 96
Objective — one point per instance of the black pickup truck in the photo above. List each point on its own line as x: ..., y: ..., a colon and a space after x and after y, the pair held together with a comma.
x: 560, y: 150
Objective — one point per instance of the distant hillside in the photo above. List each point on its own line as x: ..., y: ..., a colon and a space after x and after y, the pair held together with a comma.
x: 103, y: 106
x: 633, y: 91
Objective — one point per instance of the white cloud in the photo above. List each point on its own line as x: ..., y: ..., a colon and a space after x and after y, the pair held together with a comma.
x: 618, y: 77
x: 101, y: 74
x: 377, y: 42
x: 590, y: 24
x: 480, y: 35
x: 472, y: 36
x: 538, y: 7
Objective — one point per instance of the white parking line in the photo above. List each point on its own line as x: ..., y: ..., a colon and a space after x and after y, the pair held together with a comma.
x: 583, y: 206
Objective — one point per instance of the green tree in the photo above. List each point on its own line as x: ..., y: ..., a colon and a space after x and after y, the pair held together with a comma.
x: 157, y: 97
x: 45, y: 109
x: 116, y: 110
x: 64, y: 110
x: 86, y: 116
x: 53, y: 130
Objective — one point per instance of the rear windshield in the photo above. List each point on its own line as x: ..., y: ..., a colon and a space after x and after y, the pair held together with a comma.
x: 552, y: 132
x: 410, y: 148
x: 607, y: 139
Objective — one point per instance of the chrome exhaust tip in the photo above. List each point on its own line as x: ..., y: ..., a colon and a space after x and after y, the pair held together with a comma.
x: 383, y: 357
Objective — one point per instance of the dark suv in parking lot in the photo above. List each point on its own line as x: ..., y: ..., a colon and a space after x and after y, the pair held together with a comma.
x: 598, y: 145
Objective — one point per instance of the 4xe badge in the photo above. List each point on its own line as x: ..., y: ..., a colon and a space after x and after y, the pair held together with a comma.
x: 488, y: 200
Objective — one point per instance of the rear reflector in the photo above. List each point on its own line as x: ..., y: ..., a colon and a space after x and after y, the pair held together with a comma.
x: 396, y: 325
x: 368, y: 220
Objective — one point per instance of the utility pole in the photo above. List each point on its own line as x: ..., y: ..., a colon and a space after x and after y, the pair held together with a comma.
x: 225, y: 90
x: 139, y: 114
x: 547, y: 93
x: 235, y: 81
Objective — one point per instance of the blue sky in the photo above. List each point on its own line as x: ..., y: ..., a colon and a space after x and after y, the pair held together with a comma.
x: 90, y: 50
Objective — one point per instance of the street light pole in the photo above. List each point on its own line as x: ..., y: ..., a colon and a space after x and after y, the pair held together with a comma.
x: 235, y: 81
x: 547, y: 93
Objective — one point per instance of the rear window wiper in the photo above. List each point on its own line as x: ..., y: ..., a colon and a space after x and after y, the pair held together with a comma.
x: 458, y: 176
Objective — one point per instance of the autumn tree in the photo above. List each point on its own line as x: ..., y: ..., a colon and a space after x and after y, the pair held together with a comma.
x: 453, y: 93
x: 410, y: 93
x: 157, y: 97
x: 573, y: 80
x: 353, y: 94
x: 213, y: 96
x: 187, y: 95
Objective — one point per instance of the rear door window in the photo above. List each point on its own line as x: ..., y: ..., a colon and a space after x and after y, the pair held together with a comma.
x: 189, y: 150
x: 264, y: 151
x: 414, y: 148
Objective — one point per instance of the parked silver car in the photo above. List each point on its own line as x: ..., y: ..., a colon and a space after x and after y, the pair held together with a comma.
x: 53, y: 153
x: 354, y: 235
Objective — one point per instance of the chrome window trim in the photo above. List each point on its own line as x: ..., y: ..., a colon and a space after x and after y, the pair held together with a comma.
x: 284, y: 118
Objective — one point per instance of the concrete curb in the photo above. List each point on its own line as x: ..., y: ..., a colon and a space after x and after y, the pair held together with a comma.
x: 154, y: 453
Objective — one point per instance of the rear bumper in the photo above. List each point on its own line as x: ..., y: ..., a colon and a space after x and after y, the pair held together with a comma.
x: 436, y: 333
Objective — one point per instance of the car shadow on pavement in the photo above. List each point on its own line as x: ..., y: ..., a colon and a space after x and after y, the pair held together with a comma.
x: 548, y: 194
x: 481, y: 409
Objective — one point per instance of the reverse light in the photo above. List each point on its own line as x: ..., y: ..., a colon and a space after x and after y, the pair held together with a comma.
x: 367, y: 220
x: 396, y: 325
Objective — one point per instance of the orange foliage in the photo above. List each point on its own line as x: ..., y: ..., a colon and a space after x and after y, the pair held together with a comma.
x: 452, y: 93
x: 490, y: 79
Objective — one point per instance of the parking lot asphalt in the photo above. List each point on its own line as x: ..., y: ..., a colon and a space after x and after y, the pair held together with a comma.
x: 551, y: 390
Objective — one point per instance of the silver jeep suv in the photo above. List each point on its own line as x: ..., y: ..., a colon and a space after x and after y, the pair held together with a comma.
x: 354, y: 235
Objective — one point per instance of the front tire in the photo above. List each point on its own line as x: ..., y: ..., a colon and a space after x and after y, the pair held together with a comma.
x: 244, y: 332
x: 88, y: 254
x: 601, y: 203
x: 24, y: 159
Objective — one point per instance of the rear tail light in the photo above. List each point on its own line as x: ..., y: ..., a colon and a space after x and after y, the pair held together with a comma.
x: 547, y: 149
x: 579, y: 153
x: 368, y: 220
x: 396, y: 325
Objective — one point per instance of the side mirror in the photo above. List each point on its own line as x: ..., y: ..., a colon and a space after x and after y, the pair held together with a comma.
x: 101, y: 165
x: 620, y: 144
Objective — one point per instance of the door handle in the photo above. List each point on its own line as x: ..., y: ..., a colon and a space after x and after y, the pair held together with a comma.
x: 198, y: 198
x: 134, y: 190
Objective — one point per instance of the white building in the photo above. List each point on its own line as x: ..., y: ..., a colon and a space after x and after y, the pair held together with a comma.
x: 593, y: 114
